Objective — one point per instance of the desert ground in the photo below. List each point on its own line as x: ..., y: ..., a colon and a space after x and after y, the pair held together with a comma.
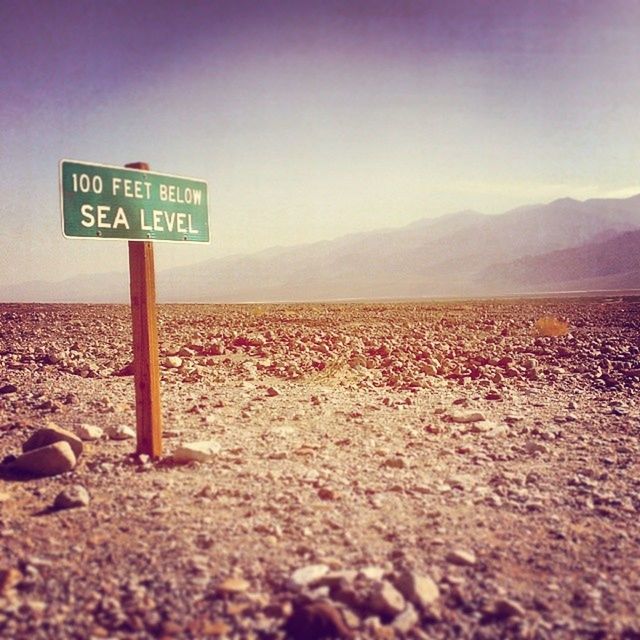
x: 415, y: 470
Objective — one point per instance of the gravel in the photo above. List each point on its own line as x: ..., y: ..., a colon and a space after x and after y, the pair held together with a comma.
x: 344, y: 499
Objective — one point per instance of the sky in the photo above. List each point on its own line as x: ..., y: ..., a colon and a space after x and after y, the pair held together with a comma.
x: 311, y: 120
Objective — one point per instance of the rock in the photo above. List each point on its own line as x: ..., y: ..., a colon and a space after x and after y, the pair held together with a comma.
x: 120, y: 432
x: 54, y: 358
x: 533, y: 374
x: 50, y: 434
x: 394, y: 463
x: 325, y: 493
x: 336, y: 578
x: 461, y: 557
x: 127, y: 370
x: 535, y: 447
x: 272, y: 392
x: 507, y: 608
x: 376, y: 630
x: 46, y: 461
x: 315, y: 621
x: 89, y: 432
x: 214, y: 349
x: 9, y: 580
x: 407, y: 620
x: 482, y: 426
x: 233, y: 585
x: 71, y: 497
x: 372, y: 573
x: 8, y: 388
x: 172, y: 362
x: 386, y: 600
x: 464, y: 417
x: 201, y: 451
x: 307, y: 576
x: 421, y: 590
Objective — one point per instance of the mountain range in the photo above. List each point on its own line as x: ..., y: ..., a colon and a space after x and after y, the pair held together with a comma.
x: 565, y: 245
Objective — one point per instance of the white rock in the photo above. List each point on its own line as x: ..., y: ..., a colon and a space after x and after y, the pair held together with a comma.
x: 372, y: 573
x: 508, y: 608
x: 406, y: 620
x: 120, y: 432
x: 71, y: 497
x: 421, y: 590
x: 461, y: 557
x: 172, y: 362
x: 464, y: 417
x: 89, y: 432
x: 197, y: 451
x: 306, y: 576
x: 386, y: 599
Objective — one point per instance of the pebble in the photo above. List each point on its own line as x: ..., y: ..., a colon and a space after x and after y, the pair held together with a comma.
x: 89, y: 432
x: 9, y: 580
x: 386, y: 600
x: 419, y: 589
x: 394, y: 463
x: 202, y: 451
x: 127, y: 370
x: 120, y: 432
x: 461, y: 557
x: 71, y: 497
x: 172, y: 362
x: 51, y: 460
x: 272, y: 392
x: 482, y: 426
x: 407, y: 620
x: 317, y: 620
x: 535, y: 447
x: 233, y: 585
x: 372, y: 573
x: 507, y: 608
x: 306, y: 576
x: 464, y: 417
x: 8, y: 388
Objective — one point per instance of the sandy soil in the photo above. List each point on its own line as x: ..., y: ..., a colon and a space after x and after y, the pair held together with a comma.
x: 351, y: 468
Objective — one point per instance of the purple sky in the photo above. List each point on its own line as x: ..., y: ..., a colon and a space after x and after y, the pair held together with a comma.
x: 311, y: 120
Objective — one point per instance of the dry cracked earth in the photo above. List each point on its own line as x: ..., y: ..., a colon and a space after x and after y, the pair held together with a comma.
x: 372, y: 471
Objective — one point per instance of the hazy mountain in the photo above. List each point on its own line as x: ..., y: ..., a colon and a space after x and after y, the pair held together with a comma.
x: 608, y: 264
x: 465, y: 253
x: 100, y: 287
x: 441, y: 256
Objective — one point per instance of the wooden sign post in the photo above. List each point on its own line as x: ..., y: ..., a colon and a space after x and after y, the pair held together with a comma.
x: 146, y: 365
x: 104, y: 202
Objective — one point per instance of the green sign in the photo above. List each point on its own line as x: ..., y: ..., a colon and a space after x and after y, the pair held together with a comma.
x: 100, y: 201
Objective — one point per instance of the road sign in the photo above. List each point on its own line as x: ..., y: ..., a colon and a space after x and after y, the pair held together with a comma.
x: 101, y: 201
